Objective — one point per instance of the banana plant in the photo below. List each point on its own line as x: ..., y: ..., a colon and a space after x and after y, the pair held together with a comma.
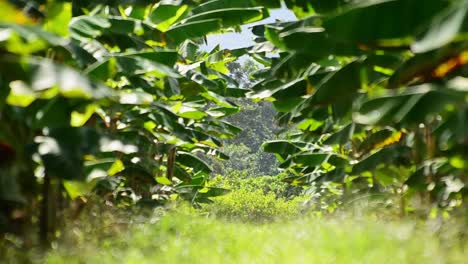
x: 114, y: 98
x: 379, y: 103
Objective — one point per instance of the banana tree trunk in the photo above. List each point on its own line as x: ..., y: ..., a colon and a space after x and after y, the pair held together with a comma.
x: 44, y: 218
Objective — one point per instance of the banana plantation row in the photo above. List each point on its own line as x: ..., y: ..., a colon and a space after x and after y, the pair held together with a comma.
x: 118, y: 98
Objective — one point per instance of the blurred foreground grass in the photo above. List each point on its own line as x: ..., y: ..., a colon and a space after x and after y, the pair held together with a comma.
x: 192, y: 238
x: 249, y: 226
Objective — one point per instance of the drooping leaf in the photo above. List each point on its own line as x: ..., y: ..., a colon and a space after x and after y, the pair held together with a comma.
x: 230, y: 16
x: 282, y: 147
x: 317, y: 159
x: 390, y: 155
x: 165, y: 15
x: 412, y: 106
x: 449, y: 25
x: 41, y: 78
x: 193, y: 29
x: 192, y: 161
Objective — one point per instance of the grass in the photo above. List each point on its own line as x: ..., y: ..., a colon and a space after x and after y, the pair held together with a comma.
x: 192, y: 238
x: 249, y: 226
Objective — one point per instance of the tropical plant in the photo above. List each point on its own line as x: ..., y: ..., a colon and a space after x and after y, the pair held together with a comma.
x: 117, y: 98
x: 113, y: 97
x: 380, y: 99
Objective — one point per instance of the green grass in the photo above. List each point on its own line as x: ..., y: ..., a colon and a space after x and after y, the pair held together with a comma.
x: 251, y: 226
x: 192, y: 238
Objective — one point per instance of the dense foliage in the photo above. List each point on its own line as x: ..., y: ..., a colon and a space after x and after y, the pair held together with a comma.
x: 255, y: 198
x: 111, y: 97
x: 116, y: 103
x: 380, y: 99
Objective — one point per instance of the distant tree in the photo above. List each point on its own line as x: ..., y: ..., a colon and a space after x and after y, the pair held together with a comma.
x: 255, y: 119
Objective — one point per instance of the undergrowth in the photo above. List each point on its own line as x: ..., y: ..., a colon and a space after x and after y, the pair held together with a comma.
x: 190, y: 238
x: 254, y: 199
x: 258, y: 222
